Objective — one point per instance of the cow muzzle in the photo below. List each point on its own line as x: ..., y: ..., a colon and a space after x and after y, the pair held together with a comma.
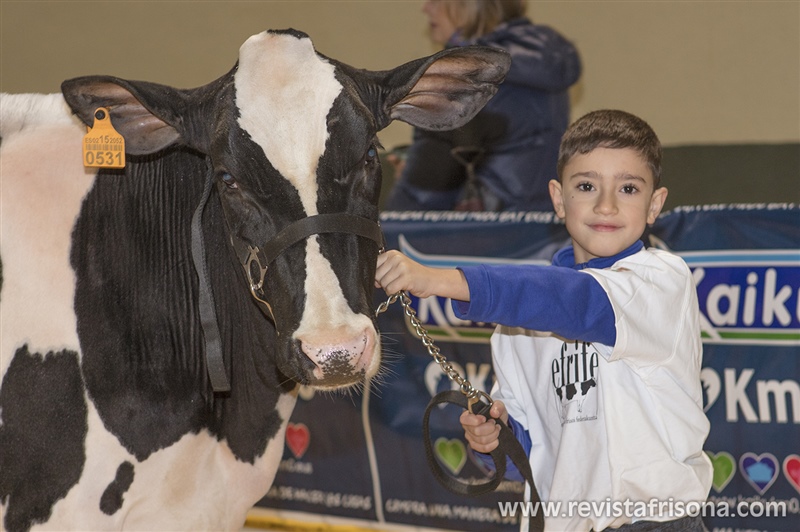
x: 340, y: 360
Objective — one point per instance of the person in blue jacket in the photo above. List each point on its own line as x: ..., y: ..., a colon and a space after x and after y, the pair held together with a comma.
x: 597, y: 358
x: 513, y: 142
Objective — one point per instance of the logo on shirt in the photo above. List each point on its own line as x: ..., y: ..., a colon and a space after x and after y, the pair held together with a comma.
x: 574, y: 378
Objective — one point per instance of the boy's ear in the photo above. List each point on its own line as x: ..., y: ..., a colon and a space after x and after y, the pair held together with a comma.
x: 656, y: 204
x: 557, y: 197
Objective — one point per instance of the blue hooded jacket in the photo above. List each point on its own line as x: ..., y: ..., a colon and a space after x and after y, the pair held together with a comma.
x: 518, y: 131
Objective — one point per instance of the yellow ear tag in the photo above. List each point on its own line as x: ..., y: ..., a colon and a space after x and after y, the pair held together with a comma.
x: 103, y: 146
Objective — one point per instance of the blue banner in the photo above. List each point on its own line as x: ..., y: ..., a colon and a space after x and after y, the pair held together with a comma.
x: 360, y: 457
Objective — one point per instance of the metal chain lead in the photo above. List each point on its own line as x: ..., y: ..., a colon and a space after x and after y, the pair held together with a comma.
x: 473, y: 394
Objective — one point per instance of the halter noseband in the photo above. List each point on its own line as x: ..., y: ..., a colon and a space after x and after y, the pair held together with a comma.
x: 256, y: 260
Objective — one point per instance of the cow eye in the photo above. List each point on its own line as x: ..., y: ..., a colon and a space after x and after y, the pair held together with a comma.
x: 229, y: 180
x: 371, y: 155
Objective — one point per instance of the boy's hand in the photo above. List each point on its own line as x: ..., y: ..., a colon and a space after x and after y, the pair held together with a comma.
x: 482, y: 434
x: 397, y: 272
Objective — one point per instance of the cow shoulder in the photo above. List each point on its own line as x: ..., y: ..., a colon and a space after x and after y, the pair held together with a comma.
x: 49, y: 430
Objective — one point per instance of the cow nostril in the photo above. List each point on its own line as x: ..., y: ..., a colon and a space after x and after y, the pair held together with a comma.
x: 339, y: 362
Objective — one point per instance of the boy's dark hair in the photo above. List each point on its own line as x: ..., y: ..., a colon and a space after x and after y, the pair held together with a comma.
x: 610, y: 128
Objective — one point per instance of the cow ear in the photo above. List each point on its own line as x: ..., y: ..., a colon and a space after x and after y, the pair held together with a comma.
x: 445, y: 90
x: 136, y: 108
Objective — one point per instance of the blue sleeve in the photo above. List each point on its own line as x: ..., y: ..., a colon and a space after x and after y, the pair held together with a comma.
x: 524, y: 437
x: 543, y: 298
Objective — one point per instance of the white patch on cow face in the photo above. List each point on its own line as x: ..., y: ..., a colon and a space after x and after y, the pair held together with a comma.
x: 284, y: 92
x: 328, y: 319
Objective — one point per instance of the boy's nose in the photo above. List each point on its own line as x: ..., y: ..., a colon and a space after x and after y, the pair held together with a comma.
x: 606, y: 203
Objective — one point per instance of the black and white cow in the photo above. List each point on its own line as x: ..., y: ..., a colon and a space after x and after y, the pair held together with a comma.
x: 108, y: 418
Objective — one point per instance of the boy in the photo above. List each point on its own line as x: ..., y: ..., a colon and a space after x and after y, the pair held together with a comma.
x: 597, y: 357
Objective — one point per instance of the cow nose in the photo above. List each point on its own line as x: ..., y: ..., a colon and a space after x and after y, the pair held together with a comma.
x: 340, y: 359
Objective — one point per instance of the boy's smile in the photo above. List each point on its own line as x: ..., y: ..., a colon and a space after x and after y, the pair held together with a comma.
x: 606, y: 199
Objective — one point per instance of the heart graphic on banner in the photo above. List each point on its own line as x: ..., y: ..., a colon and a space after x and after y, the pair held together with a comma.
x: 791, y: 469
x: 724, y: 468
x: 452, y: 453
x: 711, y: 387
x: 760, y: 471
x: 297, y: 439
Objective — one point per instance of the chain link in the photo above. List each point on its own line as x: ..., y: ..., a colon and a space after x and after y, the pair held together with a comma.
x: 473, y: 394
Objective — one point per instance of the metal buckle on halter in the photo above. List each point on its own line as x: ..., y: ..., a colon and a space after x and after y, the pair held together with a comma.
x: 256, y: 287
x: 252, y: 257
x: 256, y: 270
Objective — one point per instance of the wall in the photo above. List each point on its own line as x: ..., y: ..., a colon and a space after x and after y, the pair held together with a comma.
x: 701, y: 72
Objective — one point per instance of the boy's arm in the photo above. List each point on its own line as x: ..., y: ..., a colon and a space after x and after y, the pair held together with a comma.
x: 567, y: 302
x: 397, y: 272
x: 545, y: 298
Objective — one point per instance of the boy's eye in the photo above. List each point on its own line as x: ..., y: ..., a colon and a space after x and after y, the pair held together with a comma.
x: 585, y: 187
x: 629, y: 189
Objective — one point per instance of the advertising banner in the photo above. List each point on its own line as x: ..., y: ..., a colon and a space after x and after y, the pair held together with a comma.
x: 360, y: 455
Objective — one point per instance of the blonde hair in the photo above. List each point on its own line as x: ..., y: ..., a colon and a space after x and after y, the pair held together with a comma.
x: 476, y: 18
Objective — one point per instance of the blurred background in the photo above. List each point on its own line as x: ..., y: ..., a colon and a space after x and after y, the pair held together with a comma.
x: 718, y: 80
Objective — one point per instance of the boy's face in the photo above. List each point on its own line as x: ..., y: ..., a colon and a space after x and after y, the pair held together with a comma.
x: 606, y: 198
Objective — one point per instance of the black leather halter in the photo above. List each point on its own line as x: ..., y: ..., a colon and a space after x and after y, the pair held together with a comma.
x: 255, y: 261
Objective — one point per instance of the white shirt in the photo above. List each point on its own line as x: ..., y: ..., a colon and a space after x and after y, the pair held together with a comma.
x: 615, y: 426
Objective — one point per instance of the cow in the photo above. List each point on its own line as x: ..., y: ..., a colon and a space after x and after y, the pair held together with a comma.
x: 157, y: 320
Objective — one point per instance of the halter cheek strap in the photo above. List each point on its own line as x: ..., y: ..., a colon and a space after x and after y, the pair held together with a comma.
x: 215, y: 362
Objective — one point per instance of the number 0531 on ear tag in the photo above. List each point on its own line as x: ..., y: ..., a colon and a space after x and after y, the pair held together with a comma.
x: 103, y: 146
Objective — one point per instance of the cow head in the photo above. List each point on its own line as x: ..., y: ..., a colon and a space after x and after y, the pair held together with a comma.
x: 289, y: 134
